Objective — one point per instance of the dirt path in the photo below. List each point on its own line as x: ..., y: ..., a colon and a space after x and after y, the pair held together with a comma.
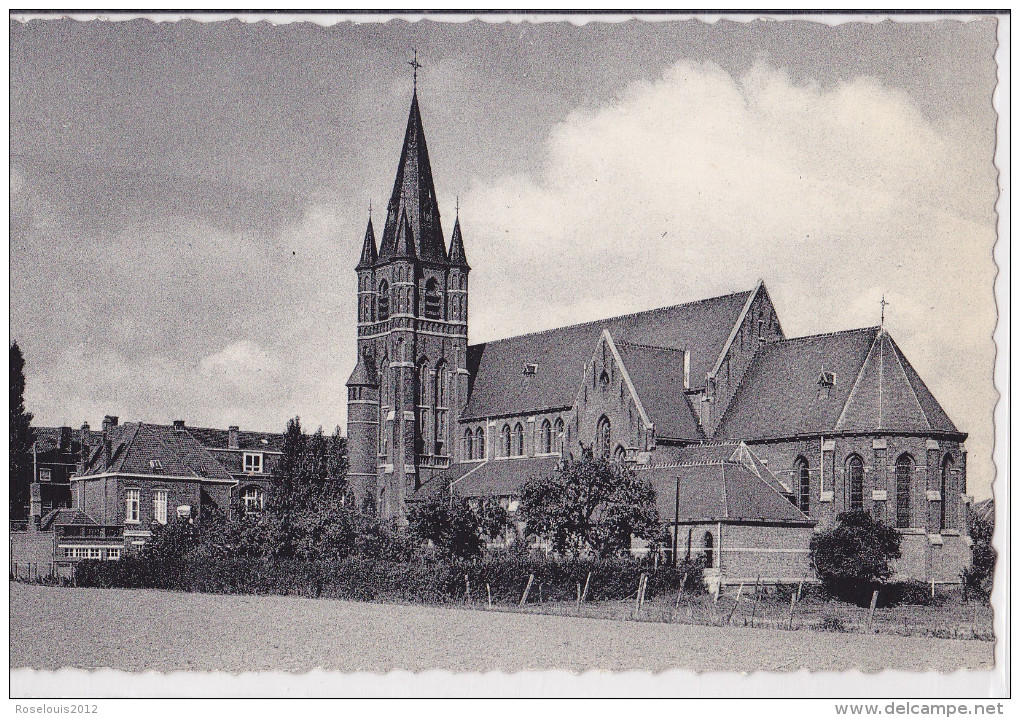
x: 136, y: 630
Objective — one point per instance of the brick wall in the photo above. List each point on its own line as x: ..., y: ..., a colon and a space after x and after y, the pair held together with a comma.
x: 744, y: 552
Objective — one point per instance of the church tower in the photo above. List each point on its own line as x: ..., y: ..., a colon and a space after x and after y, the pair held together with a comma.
x: 410, y: 383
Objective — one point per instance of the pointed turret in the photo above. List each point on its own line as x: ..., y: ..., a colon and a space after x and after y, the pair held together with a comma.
x: 414, y: 195
x: 368, y: 251
x: 404, y: 244
x: 457, y: 256
x: 364, y: 373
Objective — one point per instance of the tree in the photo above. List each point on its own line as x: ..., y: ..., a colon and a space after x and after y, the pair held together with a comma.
x: 978, y: 576
x: 21, y: 438
x: 854, y: 555
x: 448, y: 522
x: 592, y: 505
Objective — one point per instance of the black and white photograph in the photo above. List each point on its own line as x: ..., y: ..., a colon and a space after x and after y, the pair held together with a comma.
x: 558, y: 350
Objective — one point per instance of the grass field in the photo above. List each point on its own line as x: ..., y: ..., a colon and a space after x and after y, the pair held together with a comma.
x: 137, y: 630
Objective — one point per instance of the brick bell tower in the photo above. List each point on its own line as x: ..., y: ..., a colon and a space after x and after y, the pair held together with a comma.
x: 410, y: 383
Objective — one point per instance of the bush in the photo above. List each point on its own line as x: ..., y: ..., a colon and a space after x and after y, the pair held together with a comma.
x: 364, y: 579
x: 855, y: 556
x: 977, y: 578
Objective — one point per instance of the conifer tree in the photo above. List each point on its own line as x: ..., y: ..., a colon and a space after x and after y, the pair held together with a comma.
x: 21, y: 438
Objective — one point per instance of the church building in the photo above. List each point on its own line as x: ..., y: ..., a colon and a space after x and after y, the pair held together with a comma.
x: 752, y: 439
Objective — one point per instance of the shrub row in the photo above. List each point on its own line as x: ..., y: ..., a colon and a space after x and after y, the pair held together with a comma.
x: 418, y: 582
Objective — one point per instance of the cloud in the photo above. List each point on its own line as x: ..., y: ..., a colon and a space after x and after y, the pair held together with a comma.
x: 700, y: 182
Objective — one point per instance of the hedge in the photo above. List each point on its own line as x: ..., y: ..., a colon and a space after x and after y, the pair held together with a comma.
x: 364, y: 579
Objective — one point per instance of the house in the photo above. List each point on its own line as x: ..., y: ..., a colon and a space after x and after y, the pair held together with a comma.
x: 841, y: 419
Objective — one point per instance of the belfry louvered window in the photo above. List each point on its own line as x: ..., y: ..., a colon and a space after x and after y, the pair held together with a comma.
x: 433, y: 300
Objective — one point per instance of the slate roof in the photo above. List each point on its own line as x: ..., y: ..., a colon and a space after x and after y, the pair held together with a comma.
x: 734, y: 452
x: 135, y: 445
x: 246, y: 440
x: 414, y: 196
x: 368, y: 251
x: 495, y: 477
x: 457, y: 256
x: 499, y: 386
x: 875, y: 390
x: 47, y: 438
x: 658, y: 376
x: 65, y: 517
x: 719, y: 490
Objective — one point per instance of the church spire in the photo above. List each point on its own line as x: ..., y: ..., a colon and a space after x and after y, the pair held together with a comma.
x: 404, y: 244
x: 414, y: 195
x: 457, y: 256
x: 368, y: 252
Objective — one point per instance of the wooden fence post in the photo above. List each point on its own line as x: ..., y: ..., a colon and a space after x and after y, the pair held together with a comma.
x: 584, y: 593
x: 642, y: 583
x: 680, y: 589
x: 488, y: 592
x: 871, y: 610
x: 733, y: 610
x: 467, y: 589
x: 793, y: 600
x: 757, y: 597
x: 578, y: 596
x: 524, y: 596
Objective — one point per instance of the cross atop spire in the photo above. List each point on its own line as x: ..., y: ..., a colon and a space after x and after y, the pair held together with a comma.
x: 884, y: 304
x: 415, y: 65
x: 456, y: 206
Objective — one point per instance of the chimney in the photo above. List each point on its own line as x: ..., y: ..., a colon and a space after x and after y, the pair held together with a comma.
x: 232, y: 438
x: 35, y: 507
x: 83, y: 440
x: 178, y: 424
x: 64, y: 439
x: 109, y: 422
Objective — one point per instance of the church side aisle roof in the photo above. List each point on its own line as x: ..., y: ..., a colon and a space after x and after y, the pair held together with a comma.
x: 500, y: 386
x: 874, y: 390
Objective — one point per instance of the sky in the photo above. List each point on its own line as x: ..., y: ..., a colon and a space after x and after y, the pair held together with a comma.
x: 188, y: 199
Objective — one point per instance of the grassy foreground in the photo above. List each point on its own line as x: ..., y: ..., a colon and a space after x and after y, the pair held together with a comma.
x: 137, y: 630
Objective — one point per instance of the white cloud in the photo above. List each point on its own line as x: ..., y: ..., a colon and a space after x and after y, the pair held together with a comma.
x: 700, y: 182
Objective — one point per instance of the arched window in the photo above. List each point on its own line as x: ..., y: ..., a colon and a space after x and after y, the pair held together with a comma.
x: 433, y: 299
x: 441, y: 408
x: 547, y: 440
x: 469, y: 445
x: 602, y: 437
x: 505, y: 443
x: 855, y: 476
x: 480, y: 441
x: 384, y: 301
x: 803, y: 477
x: 709, y: 543
x: 945, y: 517
x: 904, y: 474
x: 422, y: 379
x: 518, y: 440
x: 620, y: 453
x: 253, y: 499
x: 558, y: 437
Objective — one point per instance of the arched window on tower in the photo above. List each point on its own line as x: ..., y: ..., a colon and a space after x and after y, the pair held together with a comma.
x: 602, y: 437
x: 518, y: 440
x: 423, y: 405
x: 441, y: 380
x: 546, y: 437
x: 855, y: 477
x: 433, y: 299
x: 505, y: 444
x: 945, y: 516
x: 802, y: 475
x: 558, y: 437
x: 384, y: 301
x: 904, y: 479
x: 469, y: 444
x: 480, y: 443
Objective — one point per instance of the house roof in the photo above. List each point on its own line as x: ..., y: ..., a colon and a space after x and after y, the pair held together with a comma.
x: 733, y: 452
x: 246, y: 440
x: 414, y: 197
x: 135, y: 445
x: 719, y: 490
x: 47, y: 438
x: 874, y: 390
x: 65, y: 517
x: 658, y: 375
x: 500, y: 387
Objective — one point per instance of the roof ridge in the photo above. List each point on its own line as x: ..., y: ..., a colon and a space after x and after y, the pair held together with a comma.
x: 638, y: 345
x: 789, y: 340
x: 619, y: 316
